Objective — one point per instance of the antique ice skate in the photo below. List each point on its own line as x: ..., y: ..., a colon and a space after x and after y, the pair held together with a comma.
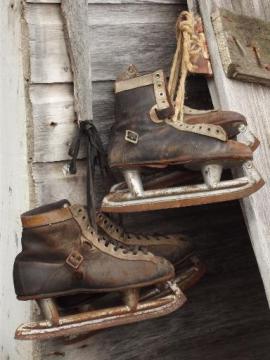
x: 140, y: 141
x: 154, y: 130
x: 63, y: 255
x: 175, y: 247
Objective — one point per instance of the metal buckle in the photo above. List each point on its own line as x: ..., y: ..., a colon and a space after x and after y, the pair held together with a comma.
x: 131, y: 136
x: 74, y: 259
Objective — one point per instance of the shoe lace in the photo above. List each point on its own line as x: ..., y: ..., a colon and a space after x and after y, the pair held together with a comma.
x: 117, y: 245
x: 96, y: 156
x: 126, y: 249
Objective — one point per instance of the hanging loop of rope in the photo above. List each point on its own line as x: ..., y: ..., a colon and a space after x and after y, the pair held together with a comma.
x: 189, y: 44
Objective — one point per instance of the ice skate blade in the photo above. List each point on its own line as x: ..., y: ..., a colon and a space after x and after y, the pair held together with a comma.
x: 102, y: 319
x: 122, y: 201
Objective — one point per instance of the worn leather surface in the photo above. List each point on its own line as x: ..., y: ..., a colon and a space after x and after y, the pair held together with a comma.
x: 161, y: 144
x: 173, y: 247
x: 229, y: 120
x: 41, y: 267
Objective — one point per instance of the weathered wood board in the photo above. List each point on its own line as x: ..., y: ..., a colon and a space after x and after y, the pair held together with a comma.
x: 244, y: 46
x: 14, y: 186
x: 252, y: 100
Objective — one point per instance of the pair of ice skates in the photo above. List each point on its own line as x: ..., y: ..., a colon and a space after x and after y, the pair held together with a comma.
x: 68, y: 263
x: 66, y: 266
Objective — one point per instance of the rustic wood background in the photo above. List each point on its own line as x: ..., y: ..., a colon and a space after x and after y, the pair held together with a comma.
x: 227, y: 314
x: 252, y: 100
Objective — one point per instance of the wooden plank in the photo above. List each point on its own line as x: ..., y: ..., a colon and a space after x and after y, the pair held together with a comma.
x: 75, y: 20
x: 253, y: 101
x: 14, y: 181
x: 115, y: 42
x: 167, y: 2
x: 54, y: 120
x: 244, y: 46
x: 52, y: 182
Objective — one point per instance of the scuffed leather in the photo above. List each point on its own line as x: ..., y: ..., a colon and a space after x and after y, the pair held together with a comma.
x: 161, y: 144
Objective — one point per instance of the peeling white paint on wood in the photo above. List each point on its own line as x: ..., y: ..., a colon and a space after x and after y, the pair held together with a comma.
x: 14, y: 179
x: 253, y: 101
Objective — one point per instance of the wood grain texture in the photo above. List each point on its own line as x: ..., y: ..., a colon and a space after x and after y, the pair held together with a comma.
x: 252, y: 100
x: 167, y: 2
x: 226, y: 316
x: 142, y: 34
x: 75, y: 19
x: 54, y: 120
x: 14, y: 186
x: 53, y: 182
x: 244, y: 46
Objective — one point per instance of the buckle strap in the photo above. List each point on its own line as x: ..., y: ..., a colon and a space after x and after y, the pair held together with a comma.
x: 74, y: 259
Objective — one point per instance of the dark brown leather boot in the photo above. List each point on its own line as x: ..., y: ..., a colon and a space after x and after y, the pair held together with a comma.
x: 62, y: 254
x: 148, y: 134
x: 232, y: 122
x: 174, y: 247
x: 139, y: 140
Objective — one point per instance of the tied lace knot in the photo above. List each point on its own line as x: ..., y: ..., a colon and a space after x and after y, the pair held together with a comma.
x: 95, y: 156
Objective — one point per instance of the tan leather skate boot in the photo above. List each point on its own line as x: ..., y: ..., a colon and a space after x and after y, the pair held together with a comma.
x: 63, y: 255
x: 174, y: 247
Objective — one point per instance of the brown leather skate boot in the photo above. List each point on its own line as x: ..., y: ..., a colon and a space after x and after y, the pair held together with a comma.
x: 174, y: 247
x: 143, y: 136
x: 138, y: 141
x: 63, y: 255
x: 232, y: 122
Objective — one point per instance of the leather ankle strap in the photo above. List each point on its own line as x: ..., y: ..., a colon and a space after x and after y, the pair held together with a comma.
x: 47, y: 218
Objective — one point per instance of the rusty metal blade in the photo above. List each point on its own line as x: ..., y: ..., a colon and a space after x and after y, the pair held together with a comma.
x: 101, y: 319
x: 188, y: 195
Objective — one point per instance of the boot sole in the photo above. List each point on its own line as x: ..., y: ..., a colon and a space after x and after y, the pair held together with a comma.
x: 92, y: 291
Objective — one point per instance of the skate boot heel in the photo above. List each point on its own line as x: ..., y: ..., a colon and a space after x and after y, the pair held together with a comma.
x: 134, y: 183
